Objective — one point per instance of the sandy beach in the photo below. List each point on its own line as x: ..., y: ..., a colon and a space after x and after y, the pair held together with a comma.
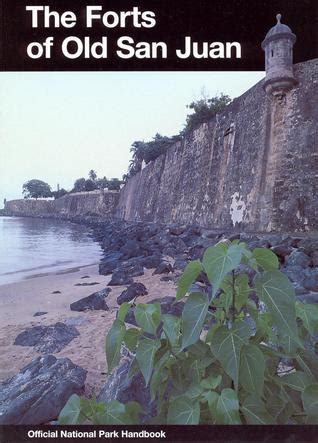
x: 53, y: 293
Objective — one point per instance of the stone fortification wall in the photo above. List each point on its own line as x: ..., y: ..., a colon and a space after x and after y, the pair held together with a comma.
x: 254, y: 166
x: 29, y: 208
x: 94, y: 203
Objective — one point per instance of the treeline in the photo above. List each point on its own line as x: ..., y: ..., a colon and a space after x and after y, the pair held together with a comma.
x: 202, y: 110
x: 39, y: 189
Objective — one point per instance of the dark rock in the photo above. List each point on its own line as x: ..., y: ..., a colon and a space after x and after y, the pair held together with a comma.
x: 151, y: 261
x: 134, y: 290
x: 133, y: 267
x: 308, y: 298
x: 180, y: 262
x: 235, y: 237
x: 47, y: 339
x: 130, y: 317
x: 107, y: 267
x: 39, y: 313
x: 274, y: 240
x: 295, y: 273
x: 297, y: 258
x: 168, y: 306
x: 163, y: 268
x: 37, y: 394
x: 167, y: 278
x: 177, y: 230
x: 120, y: 277
x: 308, y: 245
x: 314, y: 258
x: 85, y: 276
x: 259, y: 243
x: 109, y: 263
x: 282, y: 250
x: 311, y: 280
x: 131, y: 249
x: 93, y: 302
x: 124, y: 389
x: 56, y: 292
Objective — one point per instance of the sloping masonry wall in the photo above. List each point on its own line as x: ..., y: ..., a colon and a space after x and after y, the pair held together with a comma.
x: 98, y: 203
x: 254, y: 166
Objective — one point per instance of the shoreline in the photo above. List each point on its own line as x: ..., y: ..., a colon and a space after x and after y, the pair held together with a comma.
x: 19, y: 301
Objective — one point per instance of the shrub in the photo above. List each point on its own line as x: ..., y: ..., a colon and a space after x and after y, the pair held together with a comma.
x: 242, y: 352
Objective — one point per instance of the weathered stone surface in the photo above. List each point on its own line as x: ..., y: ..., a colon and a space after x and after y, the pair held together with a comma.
x: 311, y: 280
x: 201, y: 176
x: 39, y: 313
x: 121, y: 277
x: 47, y: 339
x: 93, y: 302
x: 134, y: 290
x: 297, y: 258
x: 119, y: 387
x: 163, y: 268
x: 37, y: 394
x: 151, y: 261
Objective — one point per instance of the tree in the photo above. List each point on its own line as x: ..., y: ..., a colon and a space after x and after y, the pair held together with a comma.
x: 90, y: 185
x: 102, y: 183
x: 36, y: 189
x: 203, y: 110
x: 59, y: 193
x: 92, y: 175
x: 79, y: 185
x: 114, y: 184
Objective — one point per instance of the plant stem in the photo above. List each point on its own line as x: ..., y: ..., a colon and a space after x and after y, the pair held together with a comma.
x: 233, y: 296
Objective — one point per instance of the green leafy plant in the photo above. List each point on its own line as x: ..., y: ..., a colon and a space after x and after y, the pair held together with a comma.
x: 243, y: 351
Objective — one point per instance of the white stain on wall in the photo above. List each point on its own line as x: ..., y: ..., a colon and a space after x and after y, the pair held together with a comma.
x: 237, y: 208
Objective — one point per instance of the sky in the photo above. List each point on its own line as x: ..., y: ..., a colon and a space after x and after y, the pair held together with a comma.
x: 56, y: 126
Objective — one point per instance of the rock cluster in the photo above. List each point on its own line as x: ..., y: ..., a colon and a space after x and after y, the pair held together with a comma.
x: 39, y: 391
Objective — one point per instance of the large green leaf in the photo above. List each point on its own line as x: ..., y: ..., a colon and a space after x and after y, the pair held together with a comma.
x: 266, y: 259
x: 307, y: 361
x: 114, y: 339
x: 252, y: 369
x: 112, y: 413
x: 158, y: 374
x: 190, y: 273
x: 183, y: 411
x: 241, y: 288
x: 297, y: 380
x: 219, y: 260
x: 226, y: 346
x: 277, y: 292
x: 193, y: 317
x: 145, y: 356
x: 131, y: 338
x: 171, y: 328
x: 122, y: 311
x: 70, y: 414
x: 148, y: 317
x: 255, y: 412
x: 310, y: 402
x: 227, y: 408
x: 309, y: 315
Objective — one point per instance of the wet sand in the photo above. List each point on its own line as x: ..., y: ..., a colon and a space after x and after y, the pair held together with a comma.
x: 20, y: 301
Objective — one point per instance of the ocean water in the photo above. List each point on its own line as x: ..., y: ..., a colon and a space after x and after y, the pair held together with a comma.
x: 31, y: 246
